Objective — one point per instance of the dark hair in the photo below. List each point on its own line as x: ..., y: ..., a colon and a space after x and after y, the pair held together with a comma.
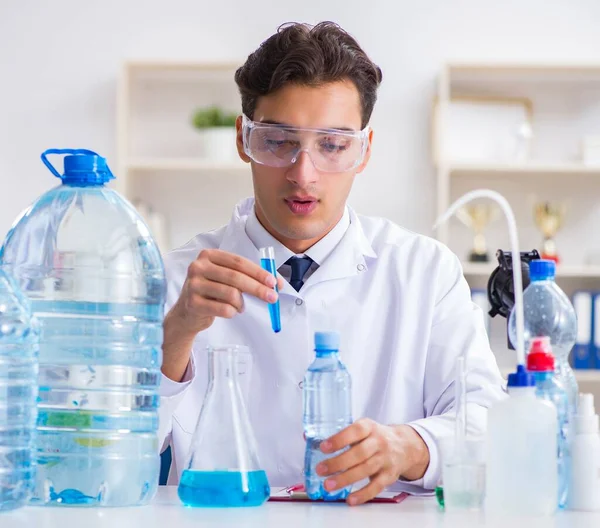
x: 310, y: 56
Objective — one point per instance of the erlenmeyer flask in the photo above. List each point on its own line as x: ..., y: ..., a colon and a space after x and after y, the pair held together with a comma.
x: 222, y: 468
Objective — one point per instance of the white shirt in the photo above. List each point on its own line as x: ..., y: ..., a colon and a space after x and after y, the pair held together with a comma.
x: 404, y: 312
x: 260, y: 237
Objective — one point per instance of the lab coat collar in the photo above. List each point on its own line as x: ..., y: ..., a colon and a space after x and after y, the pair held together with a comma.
x: 346, y: 260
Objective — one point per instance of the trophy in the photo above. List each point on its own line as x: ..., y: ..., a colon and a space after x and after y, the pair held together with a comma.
x: 549, y: 218
x: 476, y: 217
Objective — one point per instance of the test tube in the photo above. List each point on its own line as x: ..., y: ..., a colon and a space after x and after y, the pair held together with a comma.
x: 267, y: 262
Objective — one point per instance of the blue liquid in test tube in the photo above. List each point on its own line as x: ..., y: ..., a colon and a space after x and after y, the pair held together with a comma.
x: 267, y: 262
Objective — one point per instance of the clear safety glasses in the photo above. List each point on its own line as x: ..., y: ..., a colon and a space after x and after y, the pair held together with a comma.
x: 280, y: 145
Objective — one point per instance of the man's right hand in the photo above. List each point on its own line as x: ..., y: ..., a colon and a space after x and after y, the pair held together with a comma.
x: 213, y: 288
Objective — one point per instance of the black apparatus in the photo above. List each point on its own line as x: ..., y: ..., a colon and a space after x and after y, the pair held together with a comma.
x: 500, y: 288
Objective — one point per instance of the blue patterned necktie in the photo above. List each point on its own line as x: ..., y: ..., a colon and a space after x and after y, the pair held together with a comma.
x: 299, y: 267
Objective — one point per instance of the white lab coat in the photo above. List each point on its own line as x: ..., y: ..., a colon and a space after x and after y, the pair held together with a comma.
x: 404, y: 312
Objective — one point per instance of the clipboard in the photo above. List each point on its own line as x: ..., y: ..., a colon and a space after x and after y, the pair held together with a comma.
x: 297, y: 493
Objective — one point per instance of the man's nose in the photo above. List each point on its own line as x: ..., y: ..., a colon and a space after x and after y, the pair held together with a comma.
x: 303, y: 170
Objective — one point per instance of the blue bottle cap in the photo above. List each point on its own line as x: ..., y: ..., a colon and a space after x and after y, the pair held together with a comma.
x: 83, y: 167
x: 541, y: 269
x: 327, y: 341
x: 521, y: 378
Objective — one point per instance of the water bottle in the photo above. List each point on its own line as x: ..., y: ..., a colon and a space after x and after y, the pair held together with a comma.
x: 540, y: 362
x: 521, y: 476
x: 548, y: 312
x: 96, y: 283
x: 18, y: 392
x: 584, y: 490
x: 327, y: 395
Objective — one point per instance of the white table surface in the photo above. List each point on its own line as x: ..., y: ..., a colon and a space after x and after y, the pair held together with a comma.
x: 166, y: 511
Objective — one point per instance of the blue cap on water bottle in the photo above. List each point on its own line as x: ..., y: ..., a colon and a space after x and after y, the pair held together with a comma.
x: 327, y: 341
x: 82, y: 167
x: 542, y: 269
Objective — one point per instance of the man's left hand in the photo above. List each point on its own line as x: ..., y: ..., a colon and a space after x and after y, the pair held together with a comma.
x: 381, y: 453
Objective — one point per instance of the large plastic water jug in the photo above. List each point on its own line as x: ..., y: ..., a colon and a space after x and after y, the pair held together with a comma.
x: 18, y: 392
x: 96, y: 283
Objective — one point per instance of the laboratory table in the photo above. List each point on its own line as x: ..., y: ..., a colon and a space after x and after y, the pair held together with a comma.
x: 167, y: 512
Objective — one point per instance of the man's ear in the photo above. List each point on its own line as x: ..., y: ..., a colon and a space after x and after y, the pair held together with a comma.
x: 367, y: 157
x: 240, y: 141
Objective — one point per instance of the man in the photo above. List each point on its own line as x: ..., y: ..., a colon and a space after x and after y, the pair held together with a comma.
x: 399, y: 300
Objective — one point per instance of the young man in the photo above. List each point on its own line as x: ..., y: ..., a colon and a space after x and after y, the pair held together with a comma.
x: 399, y: 300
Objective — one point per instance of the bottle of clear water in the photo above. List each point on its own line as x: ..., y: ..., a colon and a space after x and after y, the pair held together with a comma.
x: 18, y: 391
x: 548, y: 312
x: 540, y: 362
x: 96, y: 283
x: 327, y: 393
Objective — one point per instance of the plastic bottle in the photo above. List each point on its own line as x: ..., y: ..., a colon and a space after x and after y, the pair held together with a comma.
x: 96, y: 283
x: 521, y: 476
x: 548, y: 312
x: 540, y: 362
x: 18, y: 391
x: 327, y: 393
x: 584, y: 491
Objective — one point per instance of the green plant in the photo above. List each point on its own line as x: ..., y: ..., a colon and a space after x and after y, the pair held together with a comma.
x: 213, y: 116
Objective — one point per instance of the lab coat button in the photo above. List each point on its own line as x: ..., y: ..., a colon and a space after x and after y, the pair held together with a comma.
x: 299, y: 302
x: 361, y: 267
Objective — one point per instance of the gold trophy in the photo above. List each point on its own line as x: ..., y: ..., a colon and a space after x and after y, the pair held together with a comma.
x: 549, y: 218
x: 477, y: 217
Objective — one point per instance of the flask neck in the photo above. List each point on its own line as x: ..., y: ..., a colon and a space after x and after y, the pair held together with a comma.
x: 223, y: 365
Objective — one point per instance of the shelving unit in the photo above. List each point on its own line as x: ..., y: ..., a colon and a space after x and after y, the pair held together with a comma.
x: 563, y: 104
x: 159, y: 154
x: 184, y: 165
x: 484, y: 270
x: 533, y: 169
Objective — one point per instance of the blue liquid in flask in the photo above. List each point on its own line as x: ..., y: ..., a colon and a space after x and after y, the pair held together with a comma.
x: 223, y: 489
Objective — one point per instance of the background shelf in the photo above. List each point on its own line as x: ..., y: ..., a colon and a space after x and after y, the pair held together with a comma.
x: 185, y: 164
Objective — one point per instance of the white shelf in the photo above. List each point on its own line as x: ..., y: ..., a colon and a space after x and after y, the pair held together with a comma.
x: 177, y: 64
x: 522, y: 71
x: 185, y: 165
x: 590, y: 375
x: 475, y: 269
x: 534, y: 169
x: 494, y: 78
x: 557, y: 166
x: 585, y: 376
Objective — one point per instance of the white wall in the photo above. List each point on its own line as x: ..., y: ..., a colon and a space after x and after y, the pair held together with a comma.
x: 59, y: 62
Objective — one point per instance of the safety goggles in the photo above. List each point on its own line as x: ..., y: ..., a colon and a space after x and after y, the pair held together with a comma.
x: 330, y: 150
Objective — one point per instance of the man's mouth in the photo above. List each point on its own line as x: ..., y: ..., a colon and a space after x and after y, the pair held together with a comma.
x: 302, y: 205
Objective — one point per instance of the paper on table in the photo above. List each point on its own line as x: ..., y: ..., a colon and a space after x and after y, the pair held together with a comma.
x: 411, y: 489
x: 396, y: 493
